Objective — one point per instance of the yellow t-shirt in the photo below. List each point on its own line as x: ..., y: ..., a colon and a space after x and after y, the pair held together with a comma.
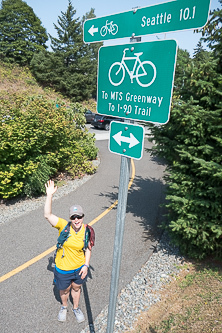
x: 73, y: 248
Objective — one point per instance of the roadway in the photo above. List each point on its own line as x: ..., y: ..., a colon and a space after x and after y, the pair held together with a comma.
x: 29, y: 300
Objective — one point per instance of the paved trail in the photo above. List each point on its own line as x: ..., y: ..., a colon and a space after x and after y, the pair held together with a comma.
x: 29, y: 301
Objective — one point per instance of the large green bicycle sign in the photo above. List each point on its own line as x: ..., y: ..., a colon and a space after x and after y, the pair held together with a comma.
x: 165, y: 17
x: 135, y: 81
x: 118, y: 70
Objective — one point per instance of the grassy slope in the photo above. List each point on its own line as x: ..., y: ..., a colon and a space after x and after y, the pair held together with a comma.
x: 17, y: 81
x: 192, y: 303
x: 20, y: 82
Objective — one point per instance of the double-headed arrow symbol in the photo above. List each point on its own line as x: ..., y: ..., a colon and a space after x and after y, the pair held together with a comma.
x: 92, y: 30
x: 131, y: 140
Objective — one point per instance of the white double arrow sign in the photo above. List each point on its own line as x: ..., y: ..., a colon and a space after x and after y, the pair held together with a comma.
x: 131, y: 140
x: 92, y: 30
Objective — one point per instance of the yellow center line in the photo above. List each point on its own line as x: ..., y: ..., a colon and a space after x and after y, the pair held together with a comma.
x: 52, y: 249
x: 116, y: 202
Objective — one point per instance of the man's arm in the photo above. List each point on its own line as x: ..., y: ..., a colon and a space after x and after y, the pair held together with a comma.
x: 50, y: 190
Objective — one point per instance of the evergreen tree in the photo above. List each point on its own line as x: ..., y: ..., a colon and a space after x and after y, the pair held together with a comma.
x: 199, y: 52
x: 212, y: 33
x: 69, y: 41
x: 72, y: 66
x: 183, y: 62
x: 92, y: 51
x: 192, y: 144
x: 202, y: 80
x: 74, y: 74
x: 21, y: 32
x: 47, y: 68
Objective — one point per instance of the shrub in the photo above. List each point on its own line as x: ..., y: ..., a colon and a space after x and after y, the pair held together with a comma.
x: 38, y: 139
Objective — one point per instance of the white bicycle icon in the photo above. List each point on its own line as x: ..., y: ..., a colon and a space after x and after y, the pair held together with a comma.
x: 118, y: 70
x: 109, y: 27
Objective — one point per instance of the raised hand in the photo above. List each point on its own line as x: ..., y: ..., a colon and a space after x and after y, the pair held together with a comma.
x: 50, y: 187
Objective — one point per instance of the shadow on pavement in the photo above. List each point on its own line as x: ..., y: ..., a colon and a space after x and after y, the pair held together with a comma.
x: 51, y: 265
x: 87, y: 302
x: 147, y: 210
x: 144, y: 199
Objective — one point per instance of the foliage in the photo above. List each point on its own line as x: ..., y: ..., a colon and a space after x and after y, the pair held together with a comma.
x: 72, y: 66
x: 90, y: 105
x: 92, y: 50
x: 41, y: 133
x: 21, y: 32
x: 212, y: 35
x: 37, y: 139
x: 194, y: 178
x: 34, y: 181
x: 192, y: 145
x: 183, y: 62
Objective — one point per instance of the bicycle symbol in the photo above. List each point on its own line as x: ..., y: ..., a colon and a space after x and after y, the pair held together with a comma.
x: 145, y: 69
x: 109, y: 27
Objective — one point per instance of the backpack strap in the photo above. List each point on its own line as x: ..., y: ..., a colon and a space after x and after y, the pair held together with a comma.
x: 64, y: 235
x: 89, y: 238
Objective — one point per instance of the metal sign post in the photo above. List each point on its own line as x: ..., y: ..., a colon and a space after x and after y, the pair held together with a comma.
x: 119, y: 232
x: 118, y: 242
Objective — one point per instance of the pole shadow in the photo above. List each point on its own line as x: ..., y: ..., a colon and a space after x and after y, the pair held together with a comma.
x: 87, y: 303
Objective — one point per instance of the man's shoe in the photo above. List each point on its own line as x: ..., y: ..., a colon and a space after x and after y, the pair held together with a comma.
x: 79, y: 315
x: 62, y: 313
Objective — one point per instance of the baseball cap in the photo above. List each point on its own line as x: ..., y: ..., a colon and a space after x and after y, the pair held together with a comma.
x: 76, y: 210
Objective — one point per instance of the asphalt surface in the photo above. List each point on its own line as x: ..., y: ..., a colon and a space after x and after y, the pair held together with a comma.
x: 29, y: 301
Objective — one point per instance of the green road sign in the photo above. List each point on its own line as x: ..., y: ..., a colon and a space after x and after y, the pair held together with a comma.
x: 164, y: 17
x: 135, y: 81
x: 126, y: 139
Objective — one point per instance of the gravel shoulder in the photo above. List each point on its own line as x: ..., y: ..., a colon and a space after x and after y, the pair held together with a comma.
x: 22, y: 206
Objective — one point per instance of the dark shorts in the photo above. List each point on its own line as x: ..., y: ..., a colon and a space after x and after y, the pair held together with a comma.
x: 63, y: 279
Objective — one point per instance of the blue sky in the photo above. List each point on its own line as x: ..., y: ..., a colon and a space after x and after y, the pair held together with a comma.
x: 49, y: 10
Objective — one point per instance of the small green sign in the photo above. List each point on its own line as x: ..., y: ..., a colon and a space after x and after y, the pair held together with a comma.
x: 165, y: 17
x: 135, y: 81
x: 126, y: 139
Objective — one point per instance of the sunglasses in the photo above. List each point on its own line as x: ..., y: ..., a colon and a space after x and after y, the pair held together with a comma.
x: 73, y: 217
